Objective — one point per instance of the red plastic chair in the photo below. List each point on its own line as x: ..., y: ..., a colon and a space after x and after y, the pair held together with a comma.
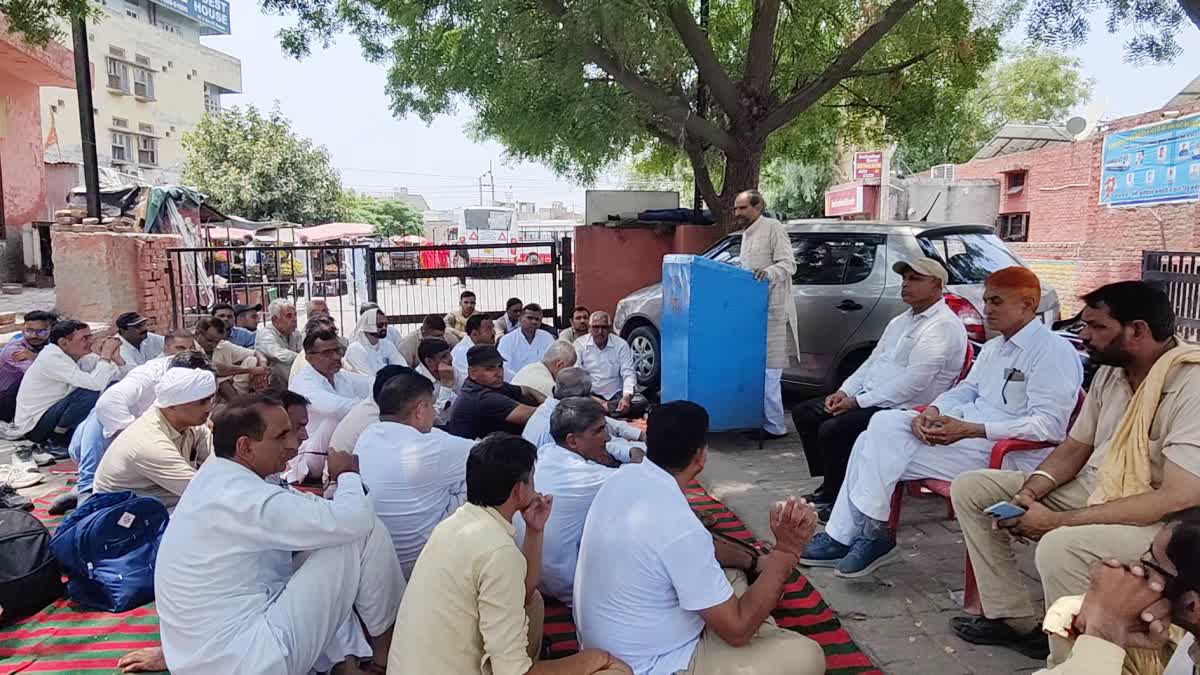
x: 1000, y: 450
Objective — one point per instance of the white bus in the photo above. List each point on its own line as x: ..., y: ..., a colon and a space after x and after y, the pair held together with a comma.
x: 498, y: 225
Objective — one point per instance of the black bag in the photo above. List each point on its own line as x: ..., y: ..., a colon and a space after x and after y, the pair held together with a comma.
x: 29, y: 575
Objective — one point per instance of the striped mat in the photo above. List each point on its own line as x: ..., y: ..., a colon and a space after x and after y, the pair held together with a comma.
x: 62, y: 639
x: 801, y: 609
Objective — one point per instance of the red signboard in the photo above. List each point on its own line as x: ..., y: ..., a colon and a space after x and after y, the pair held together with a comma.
x: 868, y: 165
x: 844, y: 200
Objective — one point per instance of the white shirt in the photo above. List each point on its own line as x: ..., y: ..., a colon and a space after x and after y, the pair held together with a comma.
x: 536, y: 376
x: 574, y: 482
x: 126, y: 400
x: 366, y: 359
x: 52, y: 376
x: 415, y: 480
x: 241, y: 531
x: 647, y: 567
x: 519, y: 352
x: 537, y: 431
x: 350, y: 428
x: 611, y: 368
x: 918, y: 357
x: 151, y: 348
x: 328, y: 404
x: 443, y: 396
x: 1032, y: 403
x: 458, y: 357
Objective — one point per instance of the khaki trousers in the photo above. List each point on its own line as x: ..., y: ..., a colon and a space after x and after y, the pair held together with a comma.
x: 772, y: 650
x: 536, y: 611
x: 1063, y: 555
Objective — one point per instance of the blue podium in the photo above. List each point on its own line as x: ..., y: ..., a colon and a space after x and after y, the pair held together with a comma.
x: 714, y: 340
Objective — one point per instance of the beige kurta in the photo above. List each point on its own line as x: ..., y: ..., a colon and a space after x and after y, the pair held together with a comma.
x: 766, y: 246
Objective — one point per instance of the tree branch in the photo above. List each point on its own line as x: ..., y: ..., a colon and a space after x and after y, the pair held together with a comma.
x: 760, y: 54
x: 711, y: 70
x: 894, y: 68
x: 702, y: 176
x: 651, y: 95
x: 805, y: 96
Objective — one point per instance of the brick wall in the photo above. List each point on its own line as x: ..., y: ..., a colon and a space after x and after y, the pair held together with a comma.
x: 100, y: 275
x: 1074, y: 244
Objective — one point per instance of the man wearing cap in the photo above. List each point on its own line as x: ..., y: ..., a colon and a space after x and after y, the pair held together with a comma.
x: 158, y: 454
x: 920, y: 355
x: 1023, y: 385
x: 246, y: 318
x: 239, y: 336
x: 487, y: 403
x: 138, y: 344
x: 767, y: 252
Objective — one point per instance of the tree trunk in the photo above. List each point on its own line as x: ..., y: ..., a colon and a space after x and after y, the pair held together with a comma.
x: 742, y: 172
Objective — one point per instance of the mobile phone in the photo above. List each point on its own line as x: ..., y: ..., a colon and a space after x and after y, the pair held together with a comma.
x: 1004, y: 510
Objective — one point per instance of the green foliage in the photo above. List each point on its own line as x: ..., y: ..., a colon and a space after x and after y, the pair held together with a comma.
x: 391, y: 218
x: 40, y: 21
x: 254, y: 166
x: 1153, y: 25
x: 796, y: 190
x: 1029, y: 86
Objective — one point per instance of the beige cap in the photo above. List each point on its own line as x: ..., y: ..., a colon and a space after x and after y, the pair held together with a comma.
x: 926, y: 266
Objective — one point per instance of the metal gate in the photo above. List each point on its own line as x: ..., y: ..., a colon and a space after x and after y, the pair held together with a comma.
x: 407, y: 282
x: 1178, y: 273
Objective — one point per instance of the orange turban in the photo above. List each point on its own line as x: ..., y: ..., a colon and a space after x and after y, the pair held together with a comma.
x: 1016, y: 278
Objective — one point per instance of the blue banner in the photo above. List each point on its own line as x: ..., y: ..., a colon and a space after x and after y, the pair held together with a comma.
x: 1153, y: 164
x: 212, y: 13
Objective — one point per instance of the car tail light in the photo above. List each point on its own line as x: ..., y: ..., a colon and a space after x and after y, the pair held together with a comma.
x: 970, y: 317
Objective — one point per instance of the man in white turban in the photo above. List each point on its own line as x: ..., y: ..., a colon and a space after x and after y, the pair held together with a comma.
x: 158, y: 454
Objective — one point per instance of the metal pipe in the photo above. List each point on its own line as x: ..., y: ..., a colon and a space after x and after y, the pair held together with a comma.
x: 87, y: 119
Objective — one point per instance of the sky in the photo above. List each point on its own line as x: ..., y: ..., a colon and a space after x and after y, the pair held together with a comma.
x: 336, y: 98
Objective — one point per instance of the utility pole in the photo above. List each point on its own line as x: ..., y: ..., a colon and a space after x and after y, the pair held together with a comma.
x: 87, y: 120
x: 701, y: 107
x: 492, y: 181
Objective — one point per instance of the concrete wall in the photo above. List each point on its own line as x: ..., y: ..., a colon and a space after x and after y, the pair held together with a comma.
x: 611, y: 262
x: 959, y: 201
x: 1075, y: 244
x: 100, y: 275
x: 181, y: 67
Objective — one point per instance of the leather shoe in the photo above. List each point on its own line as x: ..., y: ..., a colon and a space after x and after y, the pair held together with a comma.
x: 765, y: 435
x: 979, y: 630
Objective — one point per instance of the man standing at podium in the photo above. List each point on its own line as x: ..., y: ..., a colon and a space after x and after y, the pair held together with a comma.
x: 767, y: 252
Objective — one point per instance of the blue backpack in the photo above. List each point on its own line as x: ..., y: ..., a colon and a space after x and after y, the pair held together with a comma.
x: 107, y: 547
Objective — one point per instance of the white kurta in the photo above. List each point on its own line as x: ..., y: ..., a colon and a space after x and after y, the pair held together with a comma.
x: 443, y: 396
x: 368, y: 359
x: 1024, y: 388
x: 766, y: 246
x: 125, y: 401
x: 151, y: 348
x: 458, y: 358
x: 623, y: 437
x: 286, y: 579
x: 51, y: 378
x: 519, y: 352
x: 328, y: 404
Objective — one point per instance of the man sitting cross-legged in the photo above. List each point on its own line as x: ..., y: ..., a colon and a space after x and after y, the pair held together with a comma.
x: 919, y: 356
x: 332, y: 391
x: 471, y: 604
x: 487, y: 403
x: 157, y: 456
x: 435, y: 364
x: 608, y: 359
x: 1023, y: 385
x: 649, y: 585
x: 525, y: 344
x: 1130, y: 460
x: 434, y: 326
x: 480, y: 330
x: 576, y: 382
x: 291, y: 581
x: 239, y: 370
x: 540, y: 375
x: 415, y: 473
x: 572, y: 470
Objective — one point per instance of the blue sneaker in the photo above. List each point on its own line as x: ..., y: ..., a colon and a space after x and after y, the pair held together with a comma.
x: 866, y: 556
x: 823, y: 551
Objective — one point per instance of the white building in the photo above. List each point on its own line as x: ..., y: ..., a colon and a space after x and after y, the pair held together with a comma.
x: 152, y: 80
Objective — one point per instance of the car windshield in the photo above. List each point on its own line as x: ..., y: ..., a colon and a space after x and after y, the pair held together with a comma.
x: 727, y: 250
x: 968, y: 257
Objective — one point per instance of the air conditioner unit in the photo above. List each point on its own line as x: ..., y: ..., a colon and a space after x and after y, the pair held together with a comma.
x: 942, y: 171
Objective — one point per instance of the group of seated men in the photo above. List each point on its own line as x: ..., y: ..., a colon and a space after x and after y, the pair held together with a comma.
x: 1102, y: 487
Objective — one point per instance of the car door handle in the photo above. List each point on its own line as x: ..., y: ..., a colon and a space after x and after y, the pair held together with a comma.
x: 849, y: 306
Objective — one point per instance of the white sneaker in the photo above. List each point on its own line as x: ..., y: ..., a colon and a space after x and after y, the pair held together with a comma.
x: 19, y: 477
x: 24, y: 462
x: 43, y: 458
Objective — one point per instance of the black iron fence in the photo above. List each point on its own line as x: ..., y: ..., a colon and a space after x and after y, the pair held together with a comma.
x: 407, y: 282
x: 1178, y: 273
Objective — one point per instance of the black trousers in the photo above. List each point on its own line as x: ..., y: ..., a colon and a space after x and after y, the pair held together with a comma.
x: 828, y: 439
x: 8, y: 402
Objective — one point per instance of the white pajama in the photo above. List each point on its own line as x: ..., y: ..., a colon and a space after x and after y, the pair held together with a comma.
x: 776, y: 422
x: 316, y: 617
x: 887, y: 452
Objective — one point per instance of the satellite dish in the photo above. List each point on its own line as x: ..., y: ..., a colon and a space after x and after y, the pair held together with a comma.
x: 1076, y: 125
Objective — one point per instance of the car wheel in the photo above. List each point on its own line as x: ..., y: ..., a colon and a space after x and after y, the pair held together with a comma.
x: 647, y: 359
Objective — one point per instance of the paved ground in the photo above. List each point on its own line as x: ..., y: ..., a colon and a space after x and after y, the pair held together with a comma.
x: 28, y: 300
x: 900, y: 616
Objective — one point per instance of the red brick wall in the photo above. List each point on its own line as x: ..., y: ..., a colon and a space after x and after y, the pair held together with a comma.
x: 1074, y: 244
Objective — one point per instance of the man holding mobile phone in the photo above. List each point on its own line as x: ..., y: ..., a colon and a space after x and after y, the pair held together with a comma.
x: 1129, y: 461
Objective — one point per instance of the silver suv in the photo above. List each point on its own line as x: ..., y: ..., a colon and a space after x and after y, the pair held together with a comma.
x: 846, y: 292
